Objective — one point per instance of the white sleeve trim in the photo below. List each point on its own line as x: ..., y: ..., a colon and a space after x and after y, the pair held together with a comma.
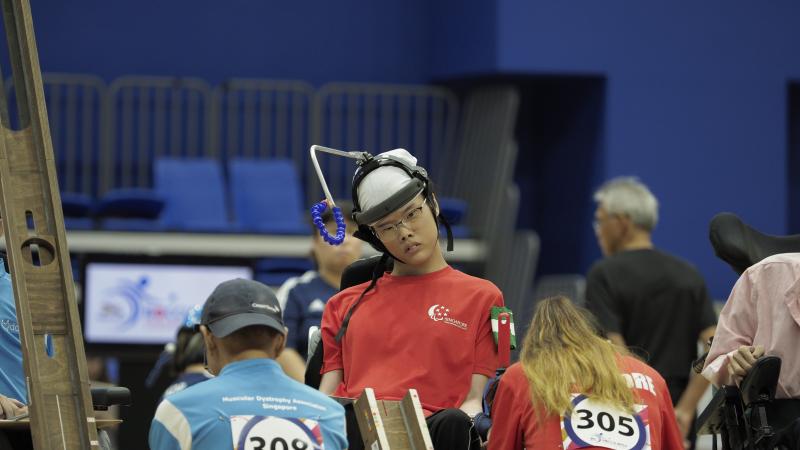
x: 175, y: 423
x: 283, y: 292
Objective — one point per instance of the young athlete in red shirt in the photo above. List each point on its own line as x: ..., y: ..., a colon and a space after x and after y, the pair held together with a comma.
x: 573, y: 389
x: 425, y: 325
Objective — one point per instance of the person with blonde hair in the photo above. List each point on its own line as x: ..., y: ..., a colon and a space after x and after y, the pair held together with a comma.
x: 574, y: 389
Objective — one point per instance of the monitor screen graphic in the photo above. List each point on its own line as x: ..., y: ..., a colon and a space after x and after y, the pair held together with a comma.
x: 133, y: 303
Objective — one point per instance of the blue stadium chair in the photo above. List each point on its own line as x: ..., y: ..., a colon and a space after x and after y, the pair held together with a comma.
x: 454, y: 210
x: 78, y: 223
x: 194, y: 195
x: 274, y: 271
x: 77, y: 211
x: 267, y: 197
x: 130, y: 210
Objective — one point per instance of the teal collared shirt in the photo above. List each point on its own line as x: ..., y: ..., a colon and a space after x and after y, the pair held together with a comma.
x: 199, y: 417
x: 12, y: 374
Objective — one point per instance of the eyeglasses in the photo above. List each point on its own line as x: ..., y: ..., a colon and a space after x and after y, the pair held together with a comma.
x: 391, y: 231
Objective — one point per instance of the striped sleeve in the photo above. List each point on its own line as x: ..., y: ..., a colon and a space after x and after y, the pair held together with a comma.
x: 170, y: 430
x: 283, y: 292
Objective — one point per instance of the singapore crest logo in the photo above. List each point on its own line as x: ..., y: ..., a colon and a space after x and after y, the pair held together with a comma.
x: 441, y: 313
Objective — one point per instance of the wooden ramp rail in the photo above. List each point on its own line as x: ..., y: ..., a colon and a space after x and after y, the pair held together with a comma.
x: 30, y: 205
x: 392, y: 425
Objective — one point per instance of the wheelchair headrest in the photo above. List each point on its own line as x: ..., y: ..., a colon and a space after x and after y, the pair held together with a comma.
x: 741, y: 246
x: 361, y: 271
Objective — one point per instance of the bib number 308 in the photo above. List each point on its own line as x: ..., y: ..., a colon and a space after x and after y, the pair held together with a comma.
x: 276, y: 443
x: 592, y: 424
x: 275, y: 433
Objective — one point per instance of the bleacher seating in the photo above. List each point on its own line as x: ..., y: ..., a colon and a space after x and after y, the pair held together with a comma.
x: 77, y: 211
x: 274, y: 271
x: 455, y: 211
x: 266, y: 197
x: 130, y: 210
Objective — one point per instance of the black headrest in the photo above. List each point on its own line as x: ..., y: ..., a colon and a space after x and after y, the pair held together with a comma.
x: 361, y: 271
x: 103, y: 397
x: 741, y: 246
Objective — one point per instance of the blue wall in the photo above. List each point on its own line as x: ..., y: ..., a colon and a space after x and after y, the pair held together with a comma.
x: 695, y: 103
x: 695, y: 100
x: 317, y: 41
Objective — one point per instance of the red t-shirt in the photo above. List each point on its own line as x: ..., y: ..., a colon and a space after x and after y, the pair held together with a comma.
x: 427, y: 332
x: 591, y: 425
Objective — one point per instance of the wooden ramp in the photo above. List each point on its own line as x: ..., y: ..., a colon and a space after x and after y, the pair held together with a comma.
x: 30, y: 205
x: 394, y: 425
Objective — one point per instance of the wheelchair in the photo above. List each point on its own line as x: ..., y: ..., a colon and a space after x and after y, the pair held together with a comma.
x: 741, y: 415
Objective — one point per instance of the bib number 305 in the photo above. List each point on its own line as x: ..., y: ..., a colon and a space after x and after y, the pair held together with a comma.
x: 593, y: 424
x: 275, y: 433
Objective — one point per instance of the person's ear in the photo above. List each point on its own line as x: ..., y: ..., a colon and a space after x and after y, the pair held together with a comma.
x: 280, y: 342
x: 208, y: 338
x: 626, y: 223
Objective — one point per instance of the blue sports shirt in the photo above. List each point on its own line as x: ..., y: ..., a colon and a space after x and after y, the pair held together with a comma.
x: 252, y: 402
x: 12, y: 374
x: 303, y: 299
x: 183, y: 381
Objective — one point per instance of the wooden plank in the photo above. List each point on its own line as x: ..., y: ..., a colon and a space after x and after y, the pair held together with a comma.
x: 392, y: 425
x: 24, y: 424
x: 414, y: 420
x: 370, y: 421
x: 30, y: 206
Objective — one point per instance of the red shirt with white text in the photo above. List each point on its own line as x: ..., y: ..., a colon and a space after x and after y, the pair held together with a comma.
x: 427, y: 332
x: 652, y: 426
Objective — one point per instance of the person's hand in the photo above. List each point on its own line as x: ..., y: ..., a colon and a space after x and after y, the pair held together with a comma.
x: 741, y: 361
x: 10, y: 407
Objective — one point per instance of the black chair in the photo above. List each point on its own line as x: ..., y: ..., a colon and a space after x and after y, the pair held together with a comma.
x: 359, y: 272
x: 103, y: 397
x: 741, y: 414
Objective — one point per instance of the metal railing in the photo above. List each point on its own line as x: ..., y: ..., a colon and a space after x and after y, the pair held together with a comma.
x: 265, y: 119
x: 152, y: 117
x: 486, y: 156
x: 380, y: 117
x: 75, y: 105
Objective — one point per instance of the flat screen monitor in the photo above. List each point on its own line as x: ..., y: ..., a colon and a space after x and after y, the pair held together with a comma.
x: 145, y: 303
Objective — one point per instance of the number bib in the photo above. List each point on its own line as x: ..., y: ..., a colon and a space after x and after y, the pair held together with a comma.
x: 275, y: 433
x: 593, y: 424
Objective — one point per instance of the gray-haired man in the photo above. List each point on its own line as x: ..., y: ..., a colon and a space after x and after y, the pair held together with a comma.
x: 654, y: 303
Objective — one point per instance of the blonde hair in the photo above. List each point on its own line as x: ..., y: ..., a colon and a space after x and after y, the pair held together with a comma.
x: 563, y: 354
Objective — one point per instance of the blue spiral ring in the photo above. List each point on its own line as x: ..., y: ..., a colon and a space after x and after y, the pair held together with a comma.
x: 316, y: 216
